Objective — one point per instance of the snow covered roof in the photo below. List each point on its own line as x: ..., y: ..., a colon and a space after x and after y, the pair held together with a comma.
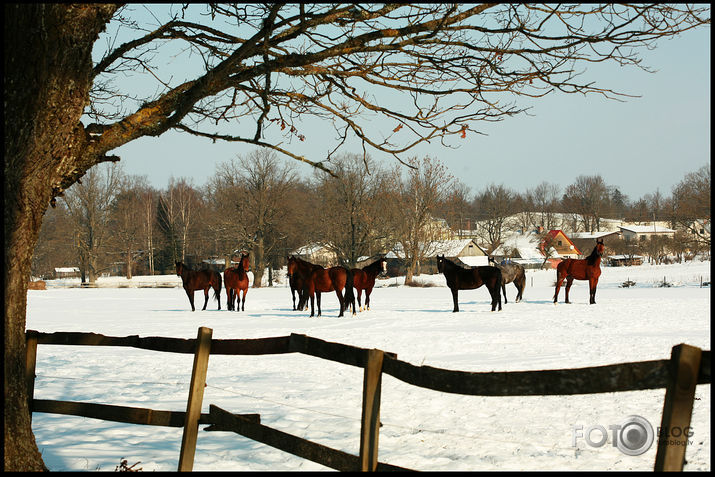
x: 66, y: 270
x: 448, y: 248
x: 475, y: 261
x: 526, y: 246
x: 591, y: 235
x: 452, y: 248
x: 646, y: 229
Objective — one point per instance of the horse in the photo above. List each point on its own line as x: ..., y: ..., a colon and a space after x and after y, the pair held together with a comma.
x: 512, y: 273
x: 193, y: 280
x: 299, y: 271
x: 236, y: 280
x: 588, y: 268
x: 460, y: 278
x: 364, y: 279
x: 331, y: 279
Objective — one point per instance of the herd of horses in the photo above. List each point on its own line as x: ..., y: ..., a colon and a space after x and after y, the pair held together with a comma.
x: 308, y: 280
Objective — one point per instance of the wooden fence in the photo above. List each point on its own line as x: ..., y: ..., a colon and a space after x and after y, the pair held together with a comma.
x: 687, y: 367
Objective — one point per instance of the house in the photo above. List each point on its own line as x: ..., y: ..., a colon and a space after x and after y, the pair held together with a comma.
x: 318, y: 254
x: 215, y: 264
x: 67, y: 272
x: 643, y: 232
x: 466, y: 250
x: 624, y: 260
x: 526, y: 249
x: 562, y: 244
x: 586, y: 241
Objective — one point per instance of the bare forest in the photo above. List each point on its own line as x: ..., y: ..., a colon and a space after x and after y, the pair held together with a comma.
x: 117, y: 224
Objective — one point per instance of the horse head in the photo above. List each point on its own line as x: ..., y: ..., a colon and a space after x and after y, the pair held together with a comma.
x: 600, y: 247
x: 440, y: 263
x: 292, y: 266
x: 245, y: 262
x: 383, y: 266
x: 179, y: 268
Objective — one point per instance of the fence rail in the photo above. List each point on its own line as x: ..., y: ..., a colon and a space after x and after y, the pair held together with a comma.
x: 687, y: 367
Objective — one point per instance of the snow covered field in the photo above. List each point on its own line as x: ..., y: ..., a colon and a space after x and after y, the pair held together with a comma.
x: 321, y: 400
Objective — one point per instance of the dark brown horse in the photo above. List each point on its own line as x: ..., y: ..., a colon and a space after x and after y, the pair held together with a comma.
x: 331, y: 279
x: 512, y: 273
x: 236, y: 280
x: 199, y: 280
x: 460, y: 278
x: 299, y: 272
x: 364, y: 279
x: 588, y: 268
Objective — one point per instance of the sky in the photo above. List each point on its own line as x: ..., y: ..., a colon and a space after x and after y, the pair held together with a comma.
x: 642, y: 145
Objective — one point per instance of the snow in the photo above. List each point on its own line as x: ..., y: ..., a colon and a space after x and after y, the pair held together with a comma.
x: 321, y: 400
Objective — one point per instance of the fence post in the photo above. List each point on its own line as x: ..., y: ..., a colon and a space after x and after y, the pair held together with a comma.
x: 370, y: 427
x: 30, y: 363
x: 678, y: 407
x: 196, y: 397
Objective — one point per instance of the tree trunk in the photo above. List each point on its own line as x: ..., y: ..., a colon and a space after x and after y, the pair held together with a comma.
x: 47, y: 75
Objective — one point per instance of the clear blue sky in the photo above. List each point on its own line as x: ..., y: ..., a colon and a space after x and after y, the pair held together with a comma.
x: 640, y: 146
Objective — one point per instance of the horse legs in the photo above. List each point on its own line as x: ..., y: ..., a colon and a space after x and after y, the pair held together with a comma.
x: 368, y: 291
x: 592, y: 290
x: 559, y: 281
x: 206, y: 297
x: 243, y: 301
x: 359, y: 297
x: 190, y: 294
x: 317, y: 298
x: 503, y: 289
x: 520, y: 285
x: 496, y: 295
x: 229, y: 305
x: 341, y: 301
x: 569, y: 281
x: 455, y: 291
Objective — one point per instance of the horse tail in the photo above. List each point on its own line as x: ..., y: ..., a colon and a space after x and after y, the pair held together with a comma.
x: 217, y: 289
x: 349, y: 293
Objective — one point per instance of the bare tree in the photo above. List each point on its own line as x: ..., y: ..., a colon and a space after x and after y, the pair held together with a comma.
x: 131, y: 231
x: 412, y: 210
x: 90, y: 205
x: 493, y: 206
x: 352, y: 223
x: 691, y: 202
x: 176, y: 215
x: 278, y: 65
x: 545, y: 197
x: 589, y: 197
x: 257, y: 189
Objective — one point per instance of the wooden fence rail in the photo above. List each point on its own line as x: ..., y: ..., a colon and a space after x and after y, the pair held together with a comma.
x: 687, y: 367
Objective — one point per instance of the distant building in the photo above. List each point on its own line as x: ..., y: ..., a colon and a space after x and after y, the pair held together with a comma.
x: 562, y: 244
x: 586, y: 241
x: 67, y: 272
x: 643, y: 232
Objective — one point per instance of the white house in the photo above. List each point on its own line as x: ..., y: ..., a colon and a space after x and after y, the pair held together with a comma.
x: 643, y: 232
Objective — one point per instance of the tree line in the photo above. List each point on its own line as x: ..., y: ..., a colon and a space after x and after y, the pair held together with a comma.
x: 117, y: 223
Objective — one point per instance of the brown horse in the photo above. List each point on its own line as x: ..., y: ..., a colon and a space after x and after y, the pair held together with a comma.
x: 332, y: 279
x: 236, y: 280
x: 299, y: 271
x: 588, y: 268
x: 364, y: 279
x: 199, y: 280
x: 460, y: 278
